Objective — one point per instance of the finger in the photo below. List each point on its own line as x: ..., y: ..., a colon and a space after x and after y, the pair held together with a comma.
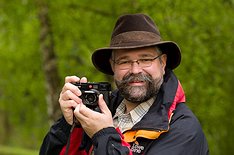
x: 69, y: 96
x: 71, y: 87
x: 102, y: 104
x: 83, y: 80
x: 67, y: 109
x: 70, y: 104
x: 85, y: 111
x: 78, y: 114
x: 72, y: 79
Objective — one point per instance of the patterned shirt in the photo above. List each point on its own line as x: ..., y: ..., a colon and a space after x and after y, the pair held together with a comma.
x: 126, y: 121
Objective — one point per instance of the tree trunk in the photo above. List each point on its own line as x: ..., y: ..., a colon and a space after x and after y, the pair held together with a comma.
x: 49, y: 62
x: 6, y: 129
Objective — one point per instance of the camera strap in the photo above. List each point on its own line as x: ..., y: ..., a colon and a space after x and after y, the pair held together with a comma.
x: 74, y: 124
x: 69, y: 137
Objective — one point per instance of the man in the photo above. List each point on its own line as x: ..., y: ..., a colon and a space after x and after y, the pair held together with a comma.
x: 147, y: 113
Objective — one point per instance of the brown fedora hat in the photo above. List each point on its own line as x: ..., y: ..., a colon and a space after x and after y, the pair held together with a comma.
x: 135, y: 31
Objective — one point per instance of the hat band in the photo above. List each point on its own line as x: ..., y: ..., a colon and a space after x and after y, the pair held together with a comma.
x: 134, y: 38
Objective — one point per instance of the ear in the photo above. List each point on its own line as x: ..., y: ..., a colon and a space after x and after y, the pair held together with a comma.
x: 164, y: 61
x: 112, y: 64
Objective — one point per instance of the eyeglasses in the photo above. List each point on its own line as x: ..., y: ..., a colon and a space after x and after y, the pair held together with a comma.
x: 127, y: 64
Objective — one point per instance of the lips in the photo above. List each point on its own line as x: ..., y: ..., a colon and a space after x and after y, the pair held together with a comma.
x: 136, y: 83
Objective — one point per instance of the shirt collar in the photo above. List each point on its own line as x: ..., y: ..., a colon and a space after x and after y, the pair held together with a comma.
x: 138, y: 112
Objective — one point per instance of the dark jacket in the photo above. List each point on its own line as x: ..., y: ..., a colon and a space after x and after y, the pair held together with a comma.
x: 168, y: 128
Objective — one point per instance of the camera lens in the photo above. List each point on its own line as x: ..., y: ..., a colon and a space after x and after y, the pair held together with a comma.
x: 91, y: 98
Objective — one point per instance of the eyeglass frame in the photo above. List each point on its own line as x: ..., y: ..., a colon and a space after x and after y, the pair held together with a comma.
x: 130, y: 62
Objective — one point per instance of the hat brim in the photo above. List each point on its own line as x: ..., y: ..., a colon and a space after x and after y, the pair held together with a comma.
x: 100, y: 57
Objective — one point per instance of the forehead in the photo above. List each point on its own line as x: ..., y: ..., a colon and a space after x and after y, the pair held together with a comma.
x: 141, y: 52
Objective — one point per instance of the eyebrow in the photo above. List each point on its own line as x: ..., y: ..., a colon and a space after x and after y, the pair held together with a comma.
x: 140, y: 56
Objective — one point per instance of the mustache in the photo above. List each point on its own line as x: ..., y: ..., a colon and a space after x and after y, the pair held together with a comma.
x: 136, y: 77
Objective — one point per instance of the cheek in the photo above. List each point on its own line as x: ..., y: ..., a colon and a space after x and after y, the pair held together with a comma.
x: 119, y: 75
x: 156, y: 71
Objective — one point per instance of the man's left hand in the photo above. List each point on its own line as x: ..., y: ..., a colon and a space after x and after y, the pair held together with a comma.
x: 92, y: 121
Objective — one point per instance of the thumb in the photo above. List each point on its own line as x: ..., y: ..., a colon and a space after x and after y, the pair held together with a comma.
x: 102, y: 104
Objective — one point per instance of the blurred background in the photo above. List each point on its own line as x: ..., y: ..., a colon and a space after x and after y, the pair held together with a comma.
x: 42, y: 41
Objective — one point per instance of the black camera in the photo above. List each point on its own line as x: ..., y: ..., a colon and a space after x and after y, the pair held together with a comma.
x: 91, y: 91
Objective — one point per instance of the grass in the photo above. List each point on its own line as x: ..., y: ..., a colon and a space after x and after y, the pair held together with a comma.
x: 7, y: 150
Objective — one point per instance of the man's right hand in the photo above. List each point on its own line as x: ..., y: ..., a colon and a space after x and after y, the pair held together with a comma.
x: 69, y: 97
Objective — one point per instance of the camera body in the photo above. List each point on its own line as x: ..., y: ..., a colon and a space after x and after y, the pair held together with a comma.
x: 91, y: 91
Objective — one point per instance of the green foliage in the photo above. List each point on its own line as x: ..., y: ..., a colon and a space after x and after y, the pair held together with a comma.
x: 6, y: 150
x: 203, y: 30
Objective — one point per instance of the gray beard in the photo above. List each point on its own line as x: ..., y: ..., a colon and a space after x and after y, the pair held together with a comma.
x: 139, y: 94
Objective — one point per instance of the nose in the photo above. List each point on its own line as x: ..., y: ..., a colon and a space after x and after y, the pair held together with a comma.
x: 135, y: 68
